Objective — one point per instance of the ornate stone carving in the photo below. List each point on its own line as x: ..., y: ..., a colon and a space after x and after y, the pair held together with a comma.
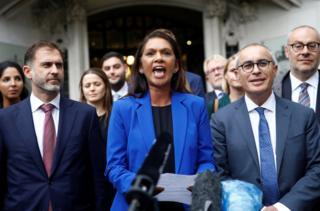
x: 54, y: 16
x: 248, y: 12
x: 215, y: 8
x: 76, y: 11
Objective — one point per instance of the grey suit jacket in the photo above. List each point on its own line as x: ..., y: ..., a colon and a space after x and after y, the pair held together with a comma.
x: 282, y: 88
x: 297, y: 150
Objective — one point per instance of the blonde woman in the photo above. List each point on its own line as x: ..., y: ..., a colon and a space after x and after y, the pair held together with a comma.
x: 231, y: 86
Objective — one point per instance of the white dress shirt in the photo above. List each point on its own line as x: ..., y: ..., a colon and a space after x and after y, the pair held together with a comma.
x: 120, y: 93
x: 219, y: 93
x: 38, y: 117
x: 313, y: 82
x: 270, y: 114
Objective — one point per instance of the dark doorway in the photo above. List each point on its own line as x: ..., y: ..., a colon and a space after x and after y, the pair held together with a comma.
x: 123, y: 28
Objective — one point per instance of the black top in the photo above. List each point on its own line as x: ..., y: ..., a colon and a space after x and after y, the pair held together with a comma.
x: 110, y: 191
x: 103, y: 126
x: 162, y: 121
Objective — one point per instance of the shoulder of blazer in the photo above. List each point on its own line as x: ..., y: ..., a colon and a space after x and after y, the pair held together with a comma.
x: 66, y: 102
x: 230, y: 109
x: 278, y: 81
x: 23, y: 105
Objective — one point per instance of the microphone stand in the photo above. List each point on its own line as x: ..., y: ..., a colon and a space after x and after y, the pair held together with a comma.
x: 142, y: 190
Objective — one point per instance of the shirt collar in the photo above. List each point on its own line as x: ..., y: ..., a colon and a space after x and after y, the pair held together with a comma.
x: 36, y: 102
x: 217, y: 92
x: 312, y: 81
x: 269, y: 105
x: 121, y: 92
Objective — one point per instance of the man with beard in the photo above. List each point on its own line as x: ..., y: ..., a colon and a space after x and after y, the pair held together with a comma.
x: 49, y: 145
x: 115, y: 67
x: 301, y: 83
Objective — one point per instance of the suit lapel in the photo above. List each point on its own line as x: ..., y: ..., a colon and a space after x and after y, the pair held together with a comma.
x: 66, y: 122
x: 180, y: 121
x: 145, y: 120
x: 286, y: 87
x: 282, y: 124
x: 244, y: 124
x: 318, y: 99
x: 24, y: 123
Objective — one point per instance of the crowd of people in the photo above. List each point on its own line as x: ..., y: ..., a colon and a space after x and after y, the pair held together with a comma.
x: 59, y: 154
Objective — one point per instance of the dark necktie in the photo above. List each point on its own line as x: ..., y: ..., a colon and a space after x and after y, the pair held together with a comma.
x: 267, y: 164
x: 304, y: 97
x: 49, y: 137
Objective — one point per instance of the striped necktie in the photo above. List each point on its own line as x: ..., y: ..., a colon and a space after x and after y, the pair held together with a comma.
x: 304, y: 97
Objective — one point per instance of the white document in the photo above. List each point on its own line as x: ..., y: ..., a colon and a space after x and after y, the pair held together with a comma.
x: 175, y: 187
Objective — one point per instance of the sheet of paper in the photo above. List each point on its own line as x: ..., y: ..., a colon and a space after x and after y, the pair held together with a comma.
x: 175, y: 187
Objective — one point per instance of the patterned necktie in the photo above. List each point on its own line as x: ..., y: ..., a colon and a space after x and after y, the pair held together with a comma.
x: 304, y: 97
x: 267, y: 164
x: 49, y: 137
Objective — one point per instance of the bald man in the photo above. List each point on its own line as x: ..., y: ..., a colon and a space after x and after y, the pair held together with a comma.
x: 301, y: 83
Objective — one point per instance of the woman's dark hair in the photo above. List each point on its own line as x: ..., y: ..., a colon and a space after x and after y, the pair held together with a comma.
x: 3, y: 66
x: 138, y: 82
x: 107, y: 102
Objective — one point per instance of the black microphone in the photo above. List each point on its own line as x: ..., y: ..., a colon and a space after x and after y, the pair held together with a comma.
x: 140, y: 195
x: 206, y: 192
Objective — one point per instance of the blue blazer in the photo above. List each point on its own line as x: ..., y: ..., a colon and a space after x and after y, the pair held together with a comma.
x: 131, y: 135
x: 76, y: 174
x: 297, y: 150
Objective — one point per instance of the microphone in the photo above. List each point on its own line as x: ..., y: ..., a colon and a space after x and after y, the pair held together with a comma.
x: 140, y: 195
x: 206, y: 192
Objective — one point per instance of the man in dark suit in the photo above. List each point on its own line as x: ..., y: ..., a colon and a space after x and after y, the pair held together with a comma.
x: 195, y: 83
x: 268, y: 141
x: 49, y: 145
x: 303, y: 52
x: 213, y: 67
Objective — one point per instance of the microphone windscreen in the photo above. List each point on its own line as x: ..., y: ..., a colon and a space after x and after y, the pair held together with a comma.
x: 240, y: 195
x: 155, y: 158
x: 206, y: 192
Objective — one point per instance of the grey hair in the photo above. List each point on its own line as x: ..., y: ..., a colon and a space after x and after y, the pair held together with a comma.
x: 256, y: 44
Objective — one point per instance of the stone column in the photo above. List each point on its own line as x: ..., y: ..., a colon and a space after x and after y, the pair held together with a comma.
x: 212, y: 29
x: 215, y: 10
x: 78, y: 48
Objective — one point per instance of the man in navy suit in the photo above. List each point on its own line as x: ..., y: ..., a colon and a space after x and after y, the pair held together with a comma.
x: 65, y: 173
x: 303, y: 52
x: 195, y: 83
x: 289, y: 131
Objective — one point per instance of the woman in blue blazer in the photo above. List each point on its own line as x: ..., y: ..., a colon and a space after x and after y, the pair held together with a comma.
x: 158, y: 102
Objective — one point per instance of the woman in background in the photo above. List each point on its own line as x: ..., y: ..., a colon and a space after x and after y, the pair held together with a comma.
x: 158, y: 103
x: 12, y: 84
x: 95, y: 90
x: 230, y: 85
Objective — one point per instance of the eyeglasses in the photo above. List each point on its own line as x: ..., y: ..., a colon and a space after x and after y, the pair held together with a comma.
x: 214, y: 69
x: 311, y: 46
x: 262, y: 64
